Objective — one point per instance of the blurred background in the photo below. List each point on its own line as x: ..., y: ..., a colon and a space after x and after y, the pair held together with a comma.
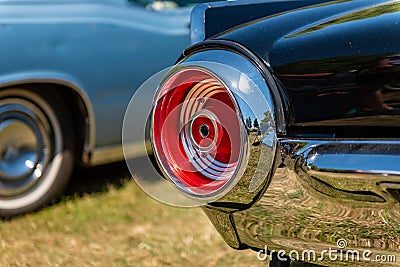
x: 104, y: 219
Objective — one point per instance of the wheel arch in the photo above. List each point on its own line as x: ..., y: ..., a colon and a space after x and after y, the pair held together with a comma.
x: 76, y: 97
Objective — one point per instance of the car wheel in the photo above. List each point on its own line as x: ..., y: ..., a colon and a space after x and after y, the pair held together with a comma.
x: 36, y: 150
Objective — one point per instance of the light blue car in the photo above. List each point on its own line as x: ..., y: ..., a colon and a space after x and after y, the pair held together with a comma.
x: 68, y: 70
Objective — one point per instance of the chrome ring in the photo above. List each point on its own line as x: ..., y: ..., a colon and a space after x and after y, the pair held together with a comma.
x: 211, y: 117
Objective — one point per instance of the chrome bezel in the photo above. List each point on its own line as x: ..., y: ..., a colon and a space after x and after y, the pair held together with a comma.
x: 243, y: 150
x: 226, y: 64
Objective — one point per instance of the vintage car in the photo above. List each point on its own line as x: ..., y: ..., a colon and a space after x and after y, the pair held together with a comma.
x: 68, y: 71
x: 283, y: 122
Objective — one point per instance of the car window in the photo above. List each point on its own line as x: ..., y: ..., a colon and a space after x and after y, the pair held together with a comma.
x: 170, y: 3
x: 192, y: 2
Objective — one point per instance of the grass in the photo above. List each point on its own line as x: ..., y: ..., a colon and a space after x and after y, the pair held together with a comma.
x: 106, y: 220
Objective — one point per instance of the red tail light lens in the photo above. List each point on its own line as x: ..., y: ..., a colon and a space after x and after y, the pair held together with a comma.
x: 197, y: 133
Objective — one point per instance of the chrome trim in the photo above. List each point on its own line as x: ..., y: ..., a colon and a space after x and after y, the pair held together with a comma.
x: 342, y: 168
x: 251, y: 94
x: 106, y: 154
x: 113, y: 153
x: 356, y: 169
x: 223, y: 222
x: 337, y: 161
x: 19, y: 79
x: 197, y: 23
x: 326, y: 190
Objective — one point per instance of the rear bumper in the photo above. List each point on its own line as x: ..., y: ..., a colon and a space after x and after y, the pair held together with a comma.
x: 326, y: 190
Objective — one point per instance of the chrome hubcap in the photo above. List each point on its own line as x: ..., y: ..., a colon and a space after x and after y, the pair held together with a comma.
x: 19, y: 149
x: 24, y: 142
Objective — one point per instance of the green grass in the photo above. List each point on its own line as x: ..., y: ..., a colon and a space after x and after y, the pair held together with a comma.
x: 106, y: 220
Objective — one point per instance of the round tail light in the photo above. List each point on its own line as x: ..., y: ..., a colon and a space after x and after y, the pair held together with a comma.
x: 197, y: 132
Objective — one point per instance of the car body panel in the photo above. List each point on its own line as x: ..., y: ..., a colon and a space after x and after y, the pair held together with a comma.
x: 330, y: 60
x: 103, y: 50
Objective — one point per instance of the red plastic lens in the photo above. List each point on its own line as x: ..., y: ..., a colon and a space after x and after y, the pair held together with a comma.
x: 196, y: 132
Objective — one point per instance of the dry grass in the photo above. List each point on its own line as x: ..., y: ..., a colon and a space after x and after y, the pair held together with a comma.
x: 106, y: 220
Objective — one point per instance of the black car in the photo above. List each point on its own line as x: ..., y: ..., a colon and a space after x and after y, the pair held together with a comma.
x: 283, y: 122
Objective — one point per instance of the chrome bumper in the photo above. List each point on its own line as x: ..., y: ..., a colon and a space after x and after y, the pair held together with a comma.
x: 358, y: 170
x: 329, y: 190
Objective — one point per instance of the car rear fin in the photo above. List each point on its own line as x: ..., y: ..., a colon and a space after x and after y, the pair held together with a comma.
x: 210, y: 19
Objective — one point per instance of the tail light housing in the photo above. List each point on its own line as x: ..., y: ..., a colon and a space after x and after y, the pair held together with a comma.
x: 211, y: 129
x: 199, y: 138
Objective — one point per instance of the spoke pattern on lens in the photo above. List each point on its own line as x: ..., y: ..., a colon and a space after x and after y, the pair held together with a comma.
x: 199, y: 161
x: 196, y: 102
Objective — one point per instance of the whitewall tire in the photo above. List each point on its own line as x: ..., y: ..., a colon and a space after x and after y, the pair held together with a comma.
x: 36, y: 149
